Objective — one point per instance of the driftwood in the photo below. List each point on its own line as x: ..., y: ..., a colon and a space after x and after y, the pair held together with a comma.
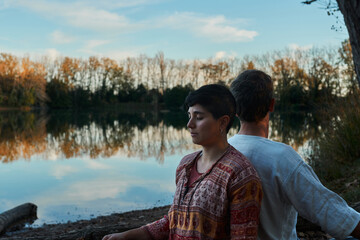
x: 93, y: 229
x: 25, y: 213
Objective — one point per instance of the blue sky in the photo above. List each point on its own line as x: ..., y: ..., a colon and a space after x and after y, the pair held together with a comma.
x: 185, y: 29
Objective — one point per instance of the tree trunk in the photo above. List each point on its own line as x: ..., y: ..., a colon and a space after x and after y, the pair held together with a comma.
x: 18, y: 215
x: 350, y: 9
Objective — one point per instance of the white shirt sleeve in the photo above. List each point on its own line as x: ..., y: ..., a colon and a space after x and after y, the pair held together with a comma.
x: 318, y: 204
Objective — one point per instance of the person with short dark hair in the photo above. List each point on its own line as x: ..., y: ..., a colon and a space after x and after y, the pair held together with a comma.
x: 218, y: 192
x: 290, y: 185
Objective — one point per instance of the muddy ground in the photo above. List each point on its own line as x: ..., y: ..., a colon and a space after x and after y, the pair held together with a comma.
x: 95, y: 228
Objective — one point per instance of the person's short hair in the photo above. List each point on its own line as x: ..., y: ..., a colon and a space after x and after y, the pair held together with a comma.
x: 253, y: 92
x: 215, y: 98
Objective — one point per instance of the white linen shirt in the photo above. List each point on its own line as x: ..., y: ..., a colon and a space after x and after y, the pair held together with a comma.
x: 290, y: 187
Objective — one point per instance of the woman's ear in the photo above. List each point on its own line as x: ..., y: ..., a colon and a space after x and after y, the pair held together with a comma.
x: 224, y: 122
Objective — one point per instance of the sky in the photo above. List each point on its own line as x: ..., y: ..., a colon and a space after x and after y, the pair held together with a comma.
x: 181, y: 29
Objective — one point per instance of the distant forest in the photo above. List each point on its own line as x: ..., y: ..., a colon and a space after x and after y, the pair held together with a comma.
x: 303, y: 78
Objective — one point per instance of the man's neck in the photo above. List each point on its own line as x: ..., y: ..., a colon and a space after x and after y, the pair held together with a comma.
x: 260, y: 129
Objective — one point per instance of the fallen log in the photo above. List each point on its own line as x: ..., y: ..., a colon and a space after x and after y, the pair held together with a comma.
x: 93, y: 229
x: 18, y: 216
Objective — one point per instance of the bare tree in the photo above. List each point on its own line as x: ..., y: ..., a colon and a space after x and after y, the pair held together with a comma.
x: 183, y: 71
x: 160, y: 60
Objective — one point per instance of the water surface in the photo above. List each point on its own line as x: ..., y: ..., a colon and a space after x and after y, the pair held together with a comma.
x: 78, y: 165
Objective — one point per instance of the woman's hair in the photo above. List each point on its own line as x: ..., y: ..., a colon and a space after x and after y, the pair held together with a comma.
x: 215, y: 98
x: 253, y: 92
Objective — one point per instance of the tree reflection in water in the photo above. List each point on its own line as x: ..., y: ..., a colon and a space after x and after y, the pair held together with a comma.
x: 65, y: 134
x: 294, y: 128
x: 22, y: 134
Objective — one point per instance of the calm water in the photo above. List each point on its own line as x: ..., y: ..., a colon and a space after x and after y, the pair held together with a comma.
x: 79, y: 165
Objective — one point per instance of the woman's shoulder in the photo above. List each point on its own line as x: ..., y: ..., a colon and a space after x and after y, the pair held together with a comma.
x: 187, y: 159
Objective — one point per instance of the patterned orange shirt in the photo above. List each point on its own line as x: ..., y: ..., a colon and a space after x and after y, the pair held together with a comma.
x: 223, y: 204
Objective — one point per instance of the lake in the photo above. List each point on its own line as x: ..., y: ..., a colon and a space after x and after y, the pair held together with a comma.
x: 81, y: 164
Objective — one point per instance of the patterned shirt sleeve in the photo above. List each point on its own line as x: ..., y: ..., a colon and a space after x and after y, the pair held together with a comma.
x: 245, y: 202
x: 159, y: 229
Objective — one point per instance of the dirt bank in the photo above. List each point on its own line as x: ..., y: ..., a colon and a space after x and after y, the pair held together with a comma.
x: 95, y: 228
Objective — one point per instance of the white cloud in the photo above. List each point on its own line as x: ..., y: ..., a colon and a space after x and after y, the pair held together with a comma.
x: 91, y: 190
x: 216, y: 28
x: 91, y: 44
x: 4, y: 39
x: 97, y: 19
x: 87, y: 15
x: 100, y: 188
x: 61, y: 171
x: 119, y: 55
x: 294, y: 46
x: 94, y: 164
x: 36, y: 54
x: 85, y: 191
x: 102, y: 16
x: 116, y: 4
x: 95, y: 43
x: 53, y: 54
x: 4, y: 4
x: 220, y: 55
x: 61, y: 38
x: 114, y: 54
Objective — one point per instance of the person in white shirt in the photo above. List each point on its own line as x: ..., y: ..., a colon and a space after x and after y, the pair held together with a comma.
x: 290, y: 185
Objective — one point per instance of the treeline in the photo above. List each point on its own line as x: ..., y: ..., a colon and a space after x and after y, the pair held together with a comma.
x: 303, y: 78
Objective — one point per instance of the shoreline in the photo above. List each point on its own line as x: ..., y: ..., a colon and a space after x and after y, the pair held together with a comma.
x: 101, y: 225
x: 96, y: 228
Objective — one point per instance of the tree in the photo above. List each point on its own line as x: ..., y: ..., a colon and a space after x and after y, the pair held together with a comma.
x: 32, y: 79
x: 289, y: 87
x: 214, y: 72
x: 347, y: 66
x: 351, y: 12
x: 350, y: 9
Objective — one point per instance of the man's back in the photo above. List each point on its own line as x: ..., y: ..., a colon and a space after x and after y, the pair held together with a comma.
x: 291, y: 186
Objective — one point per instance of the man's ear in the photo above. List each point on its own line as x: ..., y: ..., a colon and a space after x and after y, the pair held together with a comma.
x: 272, y: 105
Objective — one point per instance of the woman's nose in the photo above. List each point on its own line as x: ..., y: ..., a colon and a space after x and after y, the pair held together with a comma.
x: 190, y: 123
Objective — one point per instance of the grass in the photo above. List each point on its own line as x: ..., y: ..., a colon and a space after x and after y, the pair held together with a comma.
x: 336, y: 156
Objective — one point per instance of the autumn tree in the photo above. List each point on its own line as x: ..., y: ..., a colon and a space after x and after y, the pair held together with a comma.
x: 32, y: 80
x: 22, y: 82
x: 322, y: 80
x: 215, y: 72
x: 9, y: 67
x: 288, y: 79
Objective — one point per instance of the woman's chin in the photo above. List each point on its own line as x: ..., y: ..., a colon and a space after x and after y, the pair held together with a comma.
x: 196, y: 142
